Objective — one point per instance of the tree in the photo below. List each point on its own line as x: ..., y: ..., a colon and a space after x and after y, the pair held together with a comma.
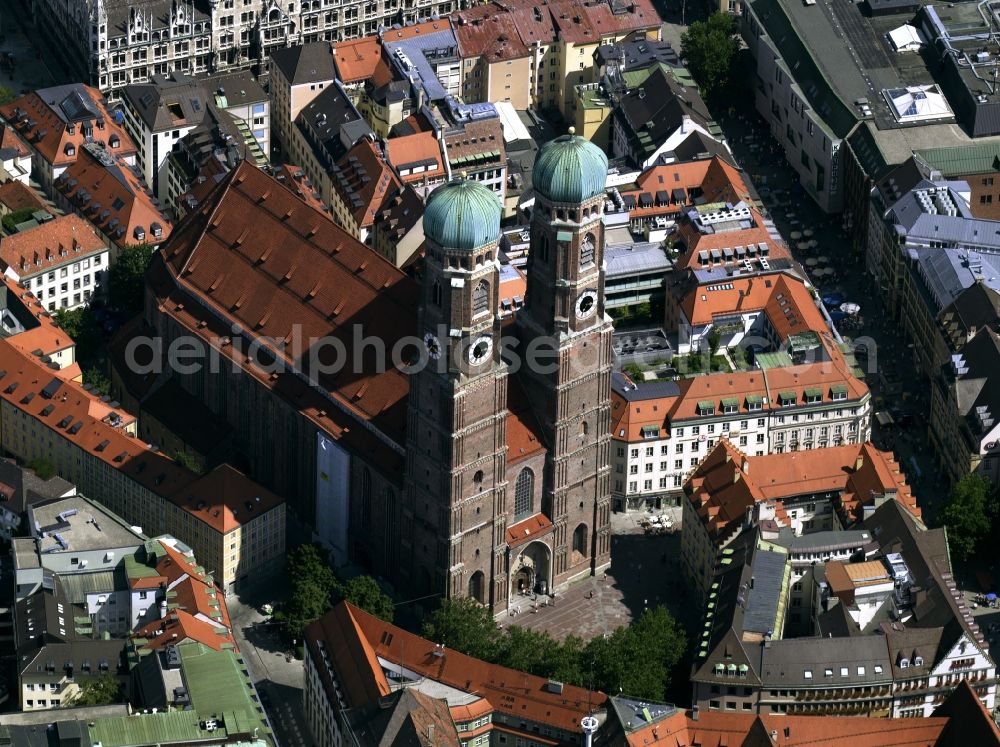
x: 310, y: 581
x: 83, y: 328
x: 97, y: 691
x: 708, y: 48
x: 42, y: 467
x: 464, y: 625
x: 188, y: 462
x: 98, y: 381
x: 17, y: 216
x: 968, y: 515
x: 365, y: 592
x: 126, y: 279
x: 637, y: 661
x: 714, y: 339
x: 6, y: 95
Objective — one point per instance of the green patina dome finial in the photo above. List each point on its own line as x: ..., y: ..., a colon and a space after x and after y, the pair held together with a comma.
x: 462, y: 215
x: 570, y: 169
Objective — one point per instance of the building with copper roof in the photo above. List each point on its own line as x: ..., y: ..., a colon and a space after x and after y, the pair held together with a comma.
x: 885, y: 631
x: 62, y: 262
x: 110, y: 194
x: 336, y: 444
x: 57, y: 122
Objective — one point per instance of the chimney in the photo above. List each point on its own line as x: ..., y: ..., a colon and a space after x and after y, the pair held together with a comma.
x: 859, y: 462
x: 430, y: 733
x: 746, y: 465
x: 589, y: 724
x: 694, y: 713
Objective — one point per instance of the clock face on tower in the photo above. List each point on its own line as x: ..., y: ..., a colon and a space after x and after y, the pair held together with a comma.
x: 433, y: 346
x: 480, y: 349
x: 586, y: 304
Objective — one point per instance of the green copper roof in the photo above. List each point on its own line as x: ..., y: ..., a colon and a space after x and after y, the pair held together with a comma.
x: 570, y: 169
x: 462, y: 215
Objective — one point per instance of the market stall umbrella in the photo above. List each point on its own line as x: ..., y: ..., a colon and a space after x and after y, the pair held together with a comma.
x: 823, y: 259
x: 812, y: 262
x: 850, y: 308
x: 795, y: 235
x: 807, y: 233
x: 802, y: 245
x: 813, y: 243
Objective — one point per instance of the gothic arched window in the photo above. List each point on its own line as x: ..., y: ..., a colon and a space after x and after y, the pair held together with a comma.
x: 587, y: 250
x: 524, y: 490
x: 481, y: 298
x: 543, y: 248
x: 436, y: 293
x: 366, y: 499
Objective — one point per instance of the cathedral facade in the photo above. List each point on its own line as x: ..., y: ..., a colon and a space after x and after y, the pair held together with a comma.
x: 508, y: 443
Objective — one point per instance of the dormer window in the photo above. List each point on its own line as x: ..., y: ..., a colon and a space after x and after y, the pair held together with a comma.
x: 706, y: 407
x: 838, y: 393
x: 755, y: 403
x: 730, y: 406
x: 140, y: 233
x: 114, y: 141
x: 814, y: 395
x: 786, y: 399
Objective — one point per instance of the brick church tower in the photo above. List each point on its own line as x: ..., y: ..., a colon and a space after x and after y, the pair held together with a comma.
x: 479, y: 521
x: 564, y: 305
x: 454, y: 514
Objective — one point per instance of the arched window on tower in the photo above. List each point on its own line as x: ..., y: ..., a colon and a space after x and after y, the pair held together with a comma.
x: 587, y: 250
x: 481, y: 298
x: 543, y: 248
x: 524, y: 498
x: 436, y: 293
x: 366, y: 499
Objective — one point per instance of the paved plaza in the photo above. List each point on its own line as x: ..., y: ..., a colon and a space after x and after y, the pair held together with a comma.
x: 645, y: 572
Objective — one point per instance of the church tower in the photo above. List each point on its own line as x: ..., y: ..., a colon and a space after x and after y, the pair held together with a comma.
x: 454, y: 516
x: 571, y: 388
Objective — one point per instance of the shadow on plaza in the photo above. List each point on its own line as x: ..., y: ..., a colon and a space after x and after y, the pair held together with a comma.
x: 646, y: 570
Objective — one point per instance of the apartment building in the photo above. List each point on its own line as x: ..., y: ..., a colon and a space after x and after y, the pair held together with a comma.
x: 550, y: 45
x: 113, y: 45
x: 892, y: 636
x: 56, y: 123
x: 224, y: 514
x: 162, y: 113
x: 662, y: 431
x: 28, y: 328
x: 296, y: 75
x: 408, y: 673
x: 110, y: 194
x: 363, y: 185
x: 15, y: 156
x: 804, y: 492
x: 63, y: 262
x: 963, y: 427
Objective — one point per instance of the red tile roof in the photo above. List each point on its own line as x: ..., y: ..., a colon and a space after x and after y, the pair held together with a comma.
x: 507, y: 30
x: 225, y: 498
x: 299, y: 272
x: 529, y: 529
x: 772, y: 294
x: 16, y: 196
x: 695, y: 241
x: 34, y: 116
x: 418, y: 149
x: 705, y: 181
x: 715, y: 729
x: 296, y: 180
x: 523, y: 435
x: 369, y: 182
x: 727, y: 482
x: 61, y: 241
x: 111, y: 194
x: 47, y: 338
x: 180, y: 626
x: 355, y: 640
x: 357, y: 59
